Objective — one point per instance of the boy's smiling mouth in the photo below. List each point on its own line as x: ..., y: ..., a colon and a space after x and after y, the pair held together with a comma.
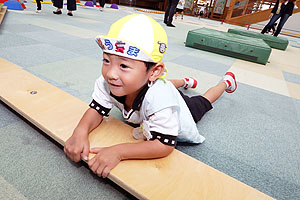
x: 114, y: 85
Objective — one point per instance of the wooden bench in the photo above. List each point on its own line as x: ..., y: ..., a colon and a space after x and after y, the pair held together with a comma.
x: 177, y: 176
x: 3, y: 10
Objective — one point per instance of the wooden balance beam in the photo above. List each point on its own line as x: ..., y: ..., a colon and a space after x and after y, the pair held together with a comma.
x: 177, y: 176
x: 3, y: 10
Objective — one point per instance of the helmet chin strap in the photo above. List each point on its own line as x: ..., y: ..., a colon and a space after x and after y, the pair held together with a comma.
x: 165, y: 73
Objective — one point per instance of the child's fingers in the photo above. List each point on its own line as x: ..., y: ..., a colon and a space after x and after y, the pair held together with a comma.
x: 85, y: 153
x: 106, y: 172
x: 95, y: 150
x: 93, y: 165
x: 100, y: 170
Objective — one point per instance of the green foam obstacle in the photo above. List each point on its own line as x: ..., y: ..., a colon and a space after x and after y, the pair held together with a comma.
x: 229, y: 44
x: 272, y: 41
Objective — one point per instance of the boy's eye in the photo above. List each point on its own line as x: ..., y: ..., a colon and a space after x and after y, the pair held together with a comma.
x: 124, y: 66
x: 105, y: 60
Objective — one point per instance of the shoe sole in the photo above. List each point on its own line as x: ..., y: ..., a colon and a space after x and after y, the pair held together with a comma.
x: 233, y: 76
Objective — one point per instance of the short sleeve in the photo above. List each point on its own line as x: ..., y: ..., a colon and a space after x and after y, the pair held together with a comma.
x: 164, y: 126
x: 102, y: 102
x: 165, y: 121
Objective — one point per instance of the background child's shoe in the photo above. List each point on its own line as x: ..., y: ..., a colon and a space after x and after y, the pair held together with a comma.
x: 230, y: 81
x: 189, y: 83
x: 57, y: 12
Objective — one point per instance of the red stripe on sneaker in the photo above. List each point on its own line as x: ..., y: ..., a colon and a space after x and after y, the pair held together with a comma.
x: 233, y: 76
x: 186, y: 83
x: 228, y: 83
x: 195, y: 84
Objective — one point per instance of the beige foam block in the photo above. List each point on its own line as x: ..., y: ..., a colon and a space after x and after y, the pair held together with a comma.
x: 61, y: 27
x: 271, y: 70
x: 286, y: 59
x: 205, y: 80
x: 294, y: 90
x: 263, y: 81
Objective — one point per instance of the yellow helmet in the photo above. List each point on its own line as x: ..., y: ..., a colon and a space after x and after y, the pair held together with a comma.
x: 137, y: 37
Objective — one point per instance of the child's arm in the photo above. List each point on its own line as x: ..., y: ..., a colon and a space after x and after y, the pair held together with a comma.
x: 107, y: 158
x: 77, y: 146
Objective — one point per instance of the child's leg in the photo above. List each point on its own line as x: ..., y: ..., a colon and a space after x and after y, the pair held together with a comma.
x: 186, y: 83
x: 38, y: 4
x: 176, y: 14
x: 182, y: 15
x: 213, y: 93
x: 59, y: 5
x: 228, y: 84
x: 177, y: 83
x: 102, y: 3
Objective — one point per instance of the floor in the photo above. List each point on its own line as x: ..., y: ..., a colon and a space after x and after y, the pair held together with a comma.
x: 251, y: 135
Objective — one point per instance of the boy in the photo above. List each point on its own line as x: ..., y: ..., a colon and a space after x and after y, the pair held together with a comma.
x: 133, y: 80
x: 180, y: 8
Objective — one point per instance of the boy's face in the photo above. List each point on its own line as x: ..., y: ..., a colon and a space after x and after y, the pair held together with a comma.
x: 124, y: 76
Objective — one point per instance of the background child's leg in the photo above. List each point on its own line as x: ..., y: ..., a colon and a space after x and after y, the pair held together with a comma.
x: 38, y: 4
x: 181, y: 14
x: 102, y: 3
x: 59, y: 5
x: 176, y: 14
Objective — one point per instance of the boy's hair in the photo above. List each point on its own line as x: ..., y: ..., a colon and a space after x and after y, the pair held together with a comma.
x: 149, y: 65
x: 136, y: 36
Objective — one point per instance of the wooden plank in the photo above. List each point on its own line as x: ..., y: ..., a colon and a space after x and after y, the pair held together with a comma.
x: 2, y: 13
x: 177, y: 176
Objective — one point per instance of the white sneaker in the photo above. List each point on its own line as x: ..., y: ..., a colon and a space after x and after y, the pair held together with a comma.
x: 38, y: 11
x: 230, y: 81
x: 189, y: 83
x: 101, y: 9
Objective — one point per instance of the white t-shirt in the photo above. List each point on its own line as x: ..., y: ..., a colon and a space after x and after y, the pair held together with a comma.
x: 161, y: 110
x: 180, y: 4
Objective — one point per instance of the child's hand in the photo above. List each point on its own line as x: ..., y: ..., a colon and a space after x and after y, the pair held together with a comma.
x: 105, y: 160
x: 77, y: 147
